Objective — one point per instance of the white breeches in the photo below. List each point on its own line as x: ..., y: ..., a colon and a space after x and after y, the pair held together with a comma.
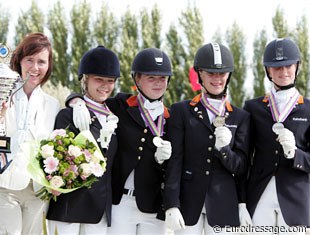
x: 268, y: 212
x: 201, y: 228
x: 64, y: 228
x: 128, y: 219
x: 21, y: 212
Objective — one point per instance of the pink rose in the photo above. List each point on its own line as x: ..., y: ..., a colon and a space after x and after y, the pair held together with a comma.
x: 50, y: 165
x: 56, y: 132
x: 55, y: 193
x: 87, y: 155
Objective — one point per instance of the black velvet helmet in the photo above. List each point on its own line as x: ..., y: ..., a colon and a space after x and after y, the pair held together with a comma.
x: 281, y: 52
x: 99, y: 61
x: 152, y: 61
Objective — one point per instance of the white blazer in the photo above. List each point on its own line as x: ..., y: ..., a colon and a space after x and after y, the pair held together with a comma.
x: 41, y: 110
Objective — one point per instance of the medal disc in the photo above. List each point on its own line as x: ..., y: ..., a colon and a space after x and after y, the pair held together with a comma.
x: 157, y: 141
x: 219, y: 121
x: 277, y: 127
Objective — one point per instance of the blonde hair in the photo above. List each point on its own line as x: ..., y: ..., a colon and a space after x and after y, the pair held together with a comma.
x: 84, y: 83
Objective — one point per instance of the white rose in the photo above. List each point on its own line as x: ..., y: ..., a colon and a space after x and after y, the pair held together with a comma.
x: 96, y: 169
x: 47, y: 151
x: 96, y: 157
x: 86, y: 170
x: 56, y: 181
x: 74, y: 151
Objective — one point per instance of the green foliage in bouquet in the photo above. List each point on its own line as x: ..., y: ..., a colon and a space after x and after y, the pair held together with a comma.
x: 63, y: 163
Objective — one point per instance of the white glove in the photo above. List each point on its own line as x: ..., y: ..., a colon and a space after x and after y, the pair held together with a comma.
x: 244, y: 216
x: 107, y: 130
x: 174, y: 219
x: 81, y: 115
x: 223, y: 137
x: 163, y: 152
x: 287, y: 140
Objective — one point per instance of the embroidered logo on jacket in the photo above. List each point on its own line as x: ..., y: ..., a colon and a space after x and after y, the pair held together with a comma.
x: 231, y: 126
x: 300, y: 119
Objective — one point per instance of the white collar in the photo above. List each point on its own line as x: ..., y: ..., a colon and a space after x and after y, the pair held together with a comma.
x: 283, y: 95
x: 154, y: 108
x: 94, y: 102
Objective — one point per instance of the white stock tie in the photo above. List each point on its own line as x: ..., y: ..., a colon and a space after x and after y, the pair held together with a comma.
x: 155, y: 108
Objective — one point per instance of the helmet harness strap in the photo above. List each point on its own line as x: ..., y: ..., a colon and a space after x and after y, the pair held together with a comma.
x: 159, y: 60
x: 287, y: 86
x: 282, y: 88
x: 217, y: 58
x: 279, y: 52
x: 140, y: 90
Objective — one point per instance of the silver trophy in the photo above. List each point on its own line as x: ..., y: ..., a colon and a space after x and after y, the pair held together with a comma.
x: 8, y: 80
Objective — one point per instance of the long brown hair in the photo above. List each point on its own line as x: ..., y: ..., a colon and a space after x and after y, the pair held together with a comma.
x: 32, y: 44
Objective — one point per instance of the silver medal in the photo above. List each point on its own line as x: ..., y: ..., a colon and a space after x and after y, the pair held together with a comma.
x: 157, y: 141
x: 277, y: 127
x: 219, y: 121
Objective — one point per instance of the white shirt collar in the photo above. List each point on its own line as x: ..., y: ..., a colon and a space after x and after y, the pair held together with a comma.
x: 94, y: 102
x: 155, y: 108
x: 282, y: 96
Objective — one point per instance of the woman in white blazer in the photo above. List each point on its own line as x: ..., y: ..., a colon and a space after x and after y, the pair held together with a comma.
x: 30, y: 117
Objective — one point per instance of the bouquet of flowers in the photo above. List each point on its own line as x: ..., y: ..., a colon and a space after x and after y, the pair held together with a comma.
x: 64, y: 163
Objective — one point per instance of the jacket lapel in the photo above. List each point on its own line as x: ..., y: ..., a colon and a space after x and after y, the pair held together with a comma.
x: 199, y: 111
x: 134, y: 111
x: 95, y: 126
x: 300, y: 101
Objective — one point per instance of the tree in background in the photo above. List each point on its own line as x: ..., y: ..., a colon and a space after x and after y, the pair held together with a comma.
x: 128, y: 50
x: 106, y: 29
x: 302, y: 39
x: 178, y: 81
x: 29, y: 21
x: 4, y: 22
x: 72, y: 37
x: 58, y: 26
x: 106, y: 33
x: 146, y: 29
x: 81, y: 39
x: 236, y: 42
x: 300, y: 36
x: 150, y: 28
x: 217, y: 37
x: 258, y: 68
x: 156, y: 27
x: 279, y: 24
x: 192, y: 26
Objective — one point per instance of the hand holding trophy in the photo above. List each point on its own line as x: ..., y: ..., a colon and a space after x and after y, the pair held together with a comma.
x: 8, y: 79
